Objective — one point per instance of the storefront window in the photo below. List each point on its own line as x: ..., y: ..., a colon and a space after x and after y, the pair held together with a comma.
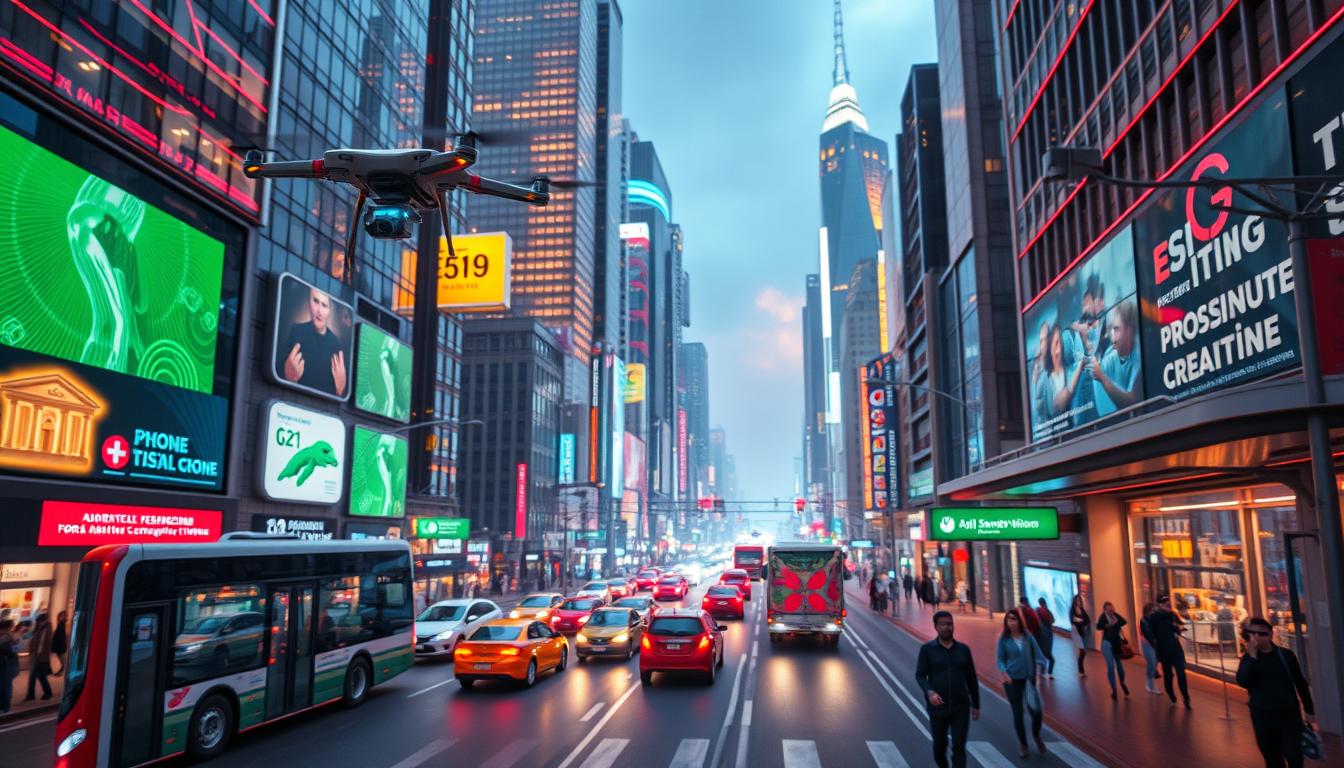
x: 1271, y: 523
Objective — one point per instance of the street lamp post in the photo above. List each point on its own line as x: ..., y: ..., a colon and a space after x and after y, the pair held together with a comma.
x: 1076, y: 164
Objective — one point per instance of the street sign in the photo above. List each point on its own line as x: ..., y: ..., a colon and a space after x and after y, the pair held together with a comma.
x: 593, y: 535
x: 993, y: 523
x: 441, y: 527
x: 861, y: 544
x: 476, y: 279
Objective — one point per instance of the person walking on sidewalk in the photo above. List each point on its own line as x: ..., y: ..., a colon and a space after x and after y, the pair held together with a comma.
x: 1109, y: 625
x: 945, y: 672
x: 1046, y: 637
x: 39, y: 656
x: 962, y: 594
x: 60, y: 642
x: 9, y: 663
x: 1082, y: 631
x: 1020, y: 663
x: 894, y: 591
x: 908, y: 583
x: 872, y: 594
x: 1167, y: 627
x: 922, y: 590
x: 1279, y: 694
x: 1149, y: 650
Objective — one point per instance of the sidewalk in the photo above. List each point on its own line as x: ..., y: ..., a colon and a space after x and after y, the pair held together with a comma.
x: 1141, y: 730
x: 20, y: 708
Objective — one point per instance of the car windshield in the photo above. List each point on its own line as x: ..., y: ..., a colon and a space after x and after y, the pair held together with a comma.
x: 616, y: 582
x: 586, y: 604
x: 206, y: 626
x: 671, y: 580
x: 536, y: 601
x: 648, y: 575
x: 596, y: 586
x: 441, y: 613
x: 609, y: 619
x: 724, y: 591
x: 676, y: 626
x: 497, y: 632
x: 638, y: 603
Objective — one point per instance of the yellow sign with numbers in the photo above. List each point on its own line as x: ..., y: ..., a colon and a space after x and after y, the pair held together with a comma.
x: 476, y: 277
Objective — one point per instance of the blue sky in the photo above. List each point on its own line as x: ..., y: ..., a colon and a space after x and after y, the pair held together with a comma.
x: 732, y: 93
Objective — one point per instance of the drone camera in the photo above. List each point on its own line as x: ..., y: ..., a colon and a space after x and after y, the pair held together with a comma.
x: 391, y: 222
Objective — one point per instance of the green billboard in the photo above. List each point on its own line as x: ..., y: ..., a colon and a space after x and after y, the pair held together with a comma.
x: 377, y: 474
x: 441, y: 528
x: 993, y: 523
x: 382, y: 374
x: 92, y: 274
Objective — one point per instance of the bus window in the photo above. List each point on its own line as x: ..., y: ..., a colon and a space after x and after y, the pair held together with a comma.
x: 220, y: 632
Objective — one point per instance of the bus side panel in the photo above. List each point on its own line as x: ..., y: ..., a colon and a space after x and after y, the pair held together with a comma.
x: 329, y: 674
x: 249, y: 687
x: 391, y: 662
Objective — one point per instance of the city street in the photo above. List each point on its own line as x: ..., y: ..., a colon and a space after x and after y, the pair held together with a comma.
x: 795, y: 705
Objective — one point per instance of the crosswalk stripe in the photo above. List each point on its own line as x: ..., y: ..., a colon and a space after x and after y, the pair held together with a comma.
x: 691, y: 754
x: 510, y: 755
x: 423, y: 754
x: 988, y: 755
x: 1072, y: 755
x: 606, y: 753
x: 800, y: 753
x: 886, y: 755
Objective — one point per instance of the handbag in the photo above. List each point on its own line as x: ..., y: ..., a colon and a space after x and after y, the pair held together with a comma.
x: 1032, y: 698
x: 1126, y: 651
x: 1311, y: 743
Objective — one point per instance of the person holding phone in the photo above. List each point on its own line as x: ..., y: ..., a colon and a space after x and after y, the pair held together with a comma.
x: 1279, y: 695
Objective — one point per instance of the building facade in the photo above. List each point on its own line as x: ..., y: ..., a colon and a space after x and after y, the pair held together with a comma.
x: 695, y: 383
x: 816, y: 433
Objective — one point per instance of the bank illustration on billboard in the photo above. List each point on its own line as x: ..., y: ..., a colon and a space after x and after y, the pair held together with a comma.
x: 383, y: 374
x: 1083, y: 343
x: 313, y: 339
x: 377, y: 474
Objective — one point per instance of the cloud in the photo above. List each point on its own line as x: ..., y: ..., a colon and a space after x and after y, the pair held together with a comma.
x: 779, y: 306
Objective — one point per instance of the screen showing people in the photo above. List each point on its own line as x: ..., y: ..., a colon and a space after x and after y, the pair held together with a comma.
x: 313, y: 339
x: 1082, y: 341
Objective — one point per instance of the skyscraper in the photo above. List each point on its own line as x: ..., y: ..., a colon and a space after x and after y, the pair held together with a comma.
x: 610, y: 315
x: 695, y: 378
x: 816, y: 443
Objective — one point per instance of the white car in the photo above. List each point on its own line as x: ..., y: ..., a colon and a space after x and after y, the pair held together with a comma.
x: 441, y: 626
x: 596, y: 589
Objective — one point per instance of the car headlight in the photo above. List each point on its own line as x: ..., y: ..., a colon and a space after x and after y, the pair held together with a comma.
x: 584, y: 619
x: 194, y: 647
x: 514, y: 614
x: 621, y: 638
x: 69, y: 743
x: 582, y: 638
x: 445, y: 635
x: 544, y: 615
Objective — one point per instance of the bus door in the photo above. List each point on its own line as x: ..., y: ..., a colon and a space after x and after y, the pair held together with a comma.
x: 289, y: 670
x: 140, y: 683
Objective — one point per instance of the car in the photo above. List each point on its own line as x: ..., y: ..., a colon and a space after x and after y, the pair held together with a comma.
x: 622, y: 586
x: 537, y: 605
x: 598, y: 589
x: 723, y: 600
x: 440, y: 627
x: 737, y: 577
x: 693, y: 572
x: 647, y: 578
x: 670, y: 587
x: 640, y: 604
x: 220, y: 642
x: 510, y: 649
x: 681, y: 639
x: 573, y: 613
x: 610, y: 632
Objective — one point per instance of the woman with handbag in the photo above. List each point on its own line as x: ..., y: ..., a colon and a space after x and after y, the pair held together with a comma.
x: 1020, y: 662
x: 1082, y: 630
x: 1113, y: 645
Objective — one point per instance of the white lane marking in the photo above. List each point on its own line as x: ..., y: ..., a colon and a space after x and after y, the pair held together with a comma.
x: 574, y: 754
x: 919, y: 722
x: 886, y: 755
x: 26, y: 723
x: 987, y: 755
x: 755, y: 647
x: 728, y: 720
x: 590, y: 714
x: 691, y: 754
x: 1072, y: 755
x: 423, y: 755
x: 881, y: 664
x: 746, y: 713
x: 742, y: 739
x: 801, y: 754
x: 510, y: 755
x: 606, y: 753
x: 629, y: 673
x: 430, y: 688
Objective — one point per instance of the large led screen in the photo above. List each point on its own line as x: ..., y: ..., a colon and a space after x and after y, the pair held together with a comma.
x: 378, y: 474
x: 1056, y: 586
x: 313, y: 343
x: 383, y: 374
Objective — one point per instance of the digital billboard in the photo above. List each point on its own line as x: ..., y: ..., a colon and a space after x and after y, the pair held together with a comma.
x: 302, y: 455
x: 1056, y: 586
x: 82, y: 524
x: 383, y: 374
x: 993, y: 523
x: 616, y: 428
x: 880, y: 434
x: 565, y: 475
x: 312, y: 339
x: 1083, y: 342
x: 377, y: 474
x: 477, y: 278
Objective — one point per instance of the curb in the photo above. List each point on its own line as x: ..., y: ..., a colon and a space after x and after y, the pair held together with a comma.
x: 13, y: 716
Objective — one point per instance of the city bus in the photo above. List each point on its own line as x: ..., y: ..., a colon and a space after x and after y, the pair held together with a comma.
x: 750, y: 558
x: 174, y: 648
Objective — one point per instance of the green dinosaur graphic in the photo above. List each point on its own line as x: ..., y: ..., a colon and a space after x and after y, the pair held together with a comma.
x: 319, y: 454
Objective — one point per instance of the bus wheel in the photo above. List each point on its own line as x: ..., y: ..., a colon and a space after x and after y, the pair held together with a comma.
x: 211, y: 728
x: 357, y: 678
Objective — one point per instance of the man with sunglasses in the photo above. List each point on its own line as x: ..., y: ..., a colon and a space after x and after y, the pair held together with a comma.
x: 1274, y: 680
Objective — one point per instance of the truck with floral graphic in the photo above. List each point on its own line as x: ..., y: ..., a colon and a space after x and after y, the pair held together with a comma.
x: 805, y: 592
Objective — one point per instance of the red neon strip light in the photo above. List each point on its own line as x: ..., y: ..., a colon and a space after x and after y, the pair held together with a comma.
x: 1011, y: 11
x: 1302, y: 460
x: 195, y: 26
x: 22, y: 58
x: 232, y: 53
x: 1050, y: 74
x: 237, y: 85
x: 1148, y: 484
x: 264, y: 15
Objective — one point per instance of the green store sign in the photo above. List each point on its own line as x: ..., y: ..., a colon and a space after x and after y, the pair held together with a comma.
x: 993, y: 523
x: 442, y: 527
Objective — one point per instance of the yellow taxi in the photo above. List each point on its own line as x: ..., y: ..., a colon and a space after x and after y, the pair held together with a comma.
x: 537, y: 605
x: 510, y: 649
x: 610, y: 632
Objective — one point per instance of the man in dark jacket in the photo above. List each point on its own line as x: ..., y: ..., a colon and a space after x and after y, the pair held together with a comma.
x: 945, y: 672
x: 1166, y: 628
x: 1274, y: 680
x: 908, y: 583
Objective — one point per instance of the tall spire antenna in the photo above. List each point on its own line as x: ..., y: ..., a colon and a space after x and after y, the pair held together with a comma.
x: 841, y: 64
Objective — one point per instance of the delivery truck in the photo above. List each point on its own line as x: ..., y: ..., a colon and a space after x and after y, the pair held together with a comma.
x: 805, y: 592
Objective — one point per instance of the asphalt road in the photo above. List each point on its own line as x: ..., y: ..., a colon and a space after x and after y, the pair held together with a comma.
x: 797, y: 705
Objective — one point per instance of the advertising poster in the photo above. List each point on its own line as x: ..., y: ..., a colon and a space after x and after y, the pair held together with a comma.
x: 1316, y: 103
x: 881, y: 449
x: 313, y: 340
x: 635, y: 374
x: 1057, y: 587
x: 302, y: 455
x: 1083, y: 342
x: 307, y: 528
x: 567, y: 455
x: 616, y: 427
x: 478, y: 278
x: 383, y: 374
x: 377, y: 474
x: 1216, y: 287
x: 81, y: 524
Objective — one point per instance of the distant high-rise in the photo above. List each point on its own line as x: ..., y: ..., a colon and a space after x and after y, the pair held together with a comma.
x: 695, y: 378
x: 609, y: 274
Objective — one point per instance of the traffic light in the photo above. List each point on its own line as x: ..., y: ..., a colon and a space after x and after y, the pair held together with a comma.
x: 707, y: 503
x: 799, y: 504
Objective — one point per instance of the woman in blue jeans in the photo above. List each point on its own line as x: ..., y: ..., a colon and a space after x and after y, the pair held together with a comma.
x: 1020, y: 662
x: 1149, y: 649
x: 1109, y: 625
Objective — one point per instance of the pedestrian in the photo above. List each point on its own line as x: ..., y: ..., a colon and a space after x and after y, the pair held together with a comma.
x: 1082, y: 630
x: 872, y: 594
x: 1020, y: 663
x: 962, y: 591
x: 922, y: 589
x: 945, y: 672
x: 1149, y: 650
x: 894, y: 591
x: 1031, y: 623
x: 39, y: 658
x: 1167, y: 627
x: 908, y: 582
x: 1279, y: 695
x: 1046, y: 638
x: 1109, y: 625
x: 60, y: 642
x: 9, y: 663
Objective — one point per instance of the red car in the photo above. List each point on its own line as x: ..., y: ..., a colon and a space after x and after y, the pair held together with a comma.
x: 671, y: 587
x: 622, y: 586
x: 571, y: 615
x: 681, y: 639
x: 736, y: 577
x: 724, y: 600
x: 647, y: 578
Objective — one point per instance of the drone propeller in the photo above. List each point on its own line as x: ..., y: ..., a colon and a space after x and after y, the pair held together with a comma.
x: 554, y: 183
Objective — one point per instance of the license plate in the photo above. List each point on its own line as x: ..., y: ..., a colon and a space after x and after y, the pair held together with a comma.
x: 427, y: 648
x: 674, y: 646
x: 723, y: 602
x: 480, y: 667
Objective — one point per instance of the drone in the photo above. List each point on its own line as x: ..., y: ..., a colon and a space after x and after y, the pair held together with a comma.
x: 396, y: 185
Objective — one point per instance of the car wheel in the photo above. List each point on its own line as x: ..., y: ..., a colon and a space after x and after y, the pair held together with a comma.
x: 358, y: 679
x: 466, y: 682
x: 564, y: 660
x: 709, y: 674
x: 211, y: 728
x: 720, y: 658
x: 646, y: 677
x: 531, y: 678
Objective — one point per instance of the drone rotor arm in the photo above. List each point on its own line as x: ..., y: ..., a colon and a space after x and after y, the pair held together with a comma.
x: 286, y: 169
x: 447, y: 162
x: 483, y: 186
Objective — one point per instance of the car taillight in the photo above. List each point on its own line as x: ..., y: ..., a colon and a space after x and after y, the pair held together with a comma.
x: 705, y: 642
x: 644, y: 642
x: 462, y: 652
x: 509, y: 652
